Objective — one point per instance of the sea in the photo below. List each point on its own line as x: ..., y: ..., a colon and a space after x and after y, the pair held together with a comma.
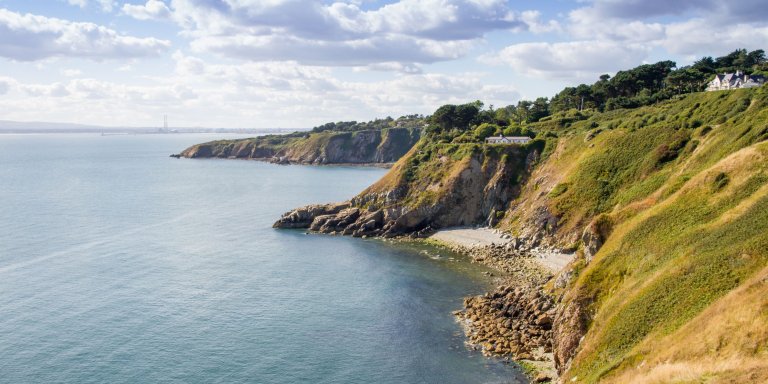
x: 119, y: 264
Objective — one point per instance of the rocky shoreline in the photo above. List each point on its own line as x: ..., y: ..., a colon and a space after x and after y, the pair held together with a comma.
x: 286, y: 161
x: 514, y: 320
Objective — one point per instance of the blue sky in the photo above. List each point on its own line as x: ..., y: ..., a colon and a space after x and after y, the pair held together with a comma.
x: 291, y: 63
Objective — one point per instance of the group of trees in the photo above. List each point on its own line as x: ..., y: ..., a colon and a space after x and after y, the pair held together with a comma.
x: 388, y: 122
x: 650, y: 83
x: 642, y: 85
x: 470, y: 122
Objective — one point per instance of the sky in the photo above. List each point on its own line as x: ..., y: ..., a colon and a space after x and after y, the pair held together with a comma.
x: 301, y: 63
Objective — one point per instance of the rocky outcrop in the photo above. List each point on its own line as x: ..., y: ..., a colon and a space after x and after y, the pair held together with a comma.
x: 303, y: 217
x: 510, y: 321
x: 594, y: 235
x: 570, y: 325
x: 361, y: 147
x: 473, y: 191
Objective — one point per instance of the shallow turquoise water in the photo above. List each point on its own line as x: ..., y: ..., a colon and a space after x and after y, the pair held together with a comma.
x: 121, y: 265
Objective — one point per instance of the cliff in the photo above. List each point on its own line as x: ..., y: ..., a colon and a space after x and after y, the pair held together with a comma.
x: 326, y: 147
x: 665, y: 206
x: 434, y: 186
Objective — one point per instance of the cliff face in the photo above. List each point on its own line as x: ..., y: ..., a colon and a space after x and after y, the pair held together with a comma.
x: 434, y: 186
x: 374, y: 146
x: 666, y: 207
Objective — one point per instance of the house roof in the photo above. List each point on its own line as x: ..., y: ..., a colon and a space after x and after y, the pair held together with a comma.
x: 508, y: 138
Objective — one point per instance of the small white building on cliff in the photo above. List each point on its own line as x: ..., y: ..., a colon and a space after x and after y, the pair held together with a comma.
x: 736, y: 80
x: 507, y: 140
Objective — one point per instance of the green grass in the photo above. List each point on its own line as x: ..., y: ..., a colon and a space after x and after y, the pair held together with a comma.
x: 668, y: 264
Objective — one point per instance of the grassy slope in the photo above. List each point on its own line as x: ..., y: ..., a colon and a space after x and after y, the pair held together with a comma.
x: 686, y: 185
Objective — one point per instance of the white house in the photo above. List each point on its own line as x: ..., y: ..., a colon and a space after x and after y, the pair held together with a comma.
x: 734, y: 81
x: 507, y: 140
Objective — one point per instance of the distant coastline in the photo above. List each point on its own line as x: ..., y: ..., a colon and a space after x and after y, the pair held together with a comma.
x: 18, y: 127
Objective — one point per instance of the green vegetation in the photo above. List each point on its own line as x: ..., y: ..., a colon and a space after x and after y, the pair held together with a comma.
x: 377, y: 124
x: 675, y: 185
x: 684, y: 195
x: 650, y: 83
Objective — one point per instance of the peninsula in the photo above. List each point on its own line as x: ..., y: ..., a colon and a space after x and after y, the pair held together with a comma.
x: 382, y: 142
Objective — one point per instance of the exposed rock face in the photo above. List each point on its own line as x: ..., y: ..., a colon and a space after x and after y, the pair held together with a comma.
x: 570, y: 326
x: 362, y: 147
x: 241, y: 149
x: 303, y: 217
x: 475, y: 189
x: 594, y: 236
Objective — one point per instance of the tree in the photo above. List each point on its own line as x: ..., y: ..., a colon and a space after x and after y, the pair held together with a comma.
x: 444, y: 117
x: 539, y: 109
x: 522, y: 111
x: 756, y: 58
x: 687, y: 79
x: 465, y: 115
x: 484, y: 130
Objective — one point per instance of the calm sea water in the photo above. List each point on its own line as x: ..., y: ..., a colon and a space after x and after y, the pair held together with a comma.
x: 121, y: 265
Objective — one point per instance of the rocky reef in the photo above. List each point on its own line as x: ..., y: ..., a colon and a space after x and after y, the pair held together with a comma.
x: 361, y: 147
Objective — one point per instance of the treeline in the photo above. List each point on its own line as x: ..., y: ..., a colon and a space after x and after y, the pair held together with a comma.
x: 470, y: 123
x: 643, y: 85
x: 650, y: 83
x: 407, y: 121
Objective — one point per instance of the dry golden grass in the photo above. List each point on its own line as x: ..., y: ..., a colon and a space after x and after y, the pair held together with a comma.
x: 726, y: 343
x: 675, y: 300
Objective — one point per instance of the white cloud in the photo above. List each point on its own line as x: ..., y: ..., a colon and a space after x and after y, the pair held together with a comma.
x: 5, y: 85
x: 151, y: 10
x: 571, y: 60
x: 697, y: 37
x: 71, y: 72
x: 533, y: 20
x: 31, y: 37
x: 624, y: 30
x: 585, y: 23
x: 392, y: 66
x: 253, y: 94
x: 79, y: 3
x: 342, y: 33
x: 716, y: 11
x: 630, y: 20
x: 106, y: 5
x: 641, y: 9
x: 50, y: 90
